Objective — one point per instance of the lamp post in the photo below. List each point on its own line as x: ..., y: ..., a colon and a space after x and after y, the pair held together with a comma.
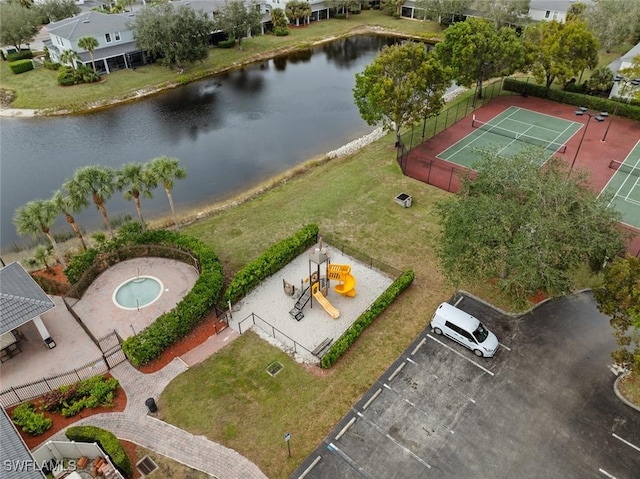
x: 599, y: 117
x: 622, y: 90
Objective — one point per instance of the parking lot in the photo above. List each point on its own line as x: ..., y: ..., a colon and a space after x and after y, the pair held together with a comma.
x: 544, y: 406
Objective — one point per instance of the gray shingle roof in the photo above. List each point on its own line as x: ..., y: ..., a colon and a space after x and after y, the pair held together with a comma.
x: 555, y: 5
x: 21, y: 299
x: 90, y: 24
x: 14, y: 450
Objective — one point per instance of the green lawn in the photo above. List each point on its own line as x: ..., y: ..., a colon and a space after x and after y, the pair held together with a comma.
x: 38, y: 89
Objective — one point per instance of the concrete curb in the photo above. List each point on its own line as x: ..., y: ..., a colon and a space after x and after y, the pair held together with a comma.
x: 619, y: 394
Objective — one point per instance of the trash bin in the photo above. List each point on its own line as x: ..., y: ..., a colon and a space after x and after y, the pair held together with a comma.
x: 151, y: 404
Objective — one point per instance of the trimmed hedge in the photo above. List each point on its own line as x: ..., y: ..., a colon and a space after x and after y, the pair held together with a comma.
x: 21, y: 66
x: 628, y: 110
x: 195, y: 306
x: 21, y: 55
x: 379, y: 305
x: 107, y: 441
x: 270, y: 262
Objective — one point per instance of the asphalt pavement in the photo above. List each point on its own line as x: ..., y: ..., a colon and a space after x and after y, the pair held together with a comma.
x: 543, y: 407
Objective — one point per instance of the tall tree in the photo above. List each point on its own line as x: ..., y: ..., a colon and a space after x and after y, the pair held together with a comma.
x: 69, y: 56
x: 56, y: 10
x: 134, y: 180
x: 67, y: 205
x: 441, y: 11
x: 475, y: 51
x: 238, y: 20
x: 89, y: 44
x: 614, y: 21
x: 95, y: 182
x: 343, y: 6
x: 404, y: 84
x: 392, y: 7
x: 176, y: 35
x: 576, y: 11
x: 38, y: 216
x: 526, y: 227
x: 503, y: 12
x: 19, y: 25
x: 619, y: 298
x: 280, y: 22
x: 165, y: 171
x: 560, y: 50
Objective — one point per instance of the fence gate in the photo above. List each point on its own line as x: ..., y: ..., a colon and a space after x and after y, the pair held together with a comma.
x: 111, y: 347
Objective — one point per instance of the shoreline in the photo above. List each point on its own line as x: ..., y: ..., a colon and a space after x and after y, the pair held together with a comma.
x: 8, y: 112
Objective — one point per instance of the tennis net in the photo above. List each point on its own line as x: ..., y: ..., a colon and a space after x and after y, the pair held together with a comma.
x: 498, y: 130
x: 620, y: 166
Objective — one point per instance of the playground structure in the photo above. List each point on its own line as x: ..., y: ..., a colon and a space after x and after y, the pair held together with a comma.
x: 318, y: 284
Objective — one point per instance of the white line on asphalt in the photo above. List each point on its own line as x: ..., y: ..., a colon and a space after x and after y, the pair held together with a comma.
x: 398, y: 369
x: 350, y: 462
x: 602, y: 471
x: 461, y: 355
x: 626, y: 442
x: 409, y: 451
x: 415, y: 350
x: 414, y: 406
x: 505, y: 347
x: 411, y: 361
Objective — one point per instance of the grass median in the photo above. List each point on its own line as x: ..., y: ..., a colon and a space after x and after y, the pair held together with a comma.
x: 38, y: 89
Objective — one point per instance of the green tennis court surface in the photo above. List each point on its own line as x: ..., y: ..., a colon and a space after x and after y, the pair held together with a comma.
x: 510, y: 132
x: 624, y: 185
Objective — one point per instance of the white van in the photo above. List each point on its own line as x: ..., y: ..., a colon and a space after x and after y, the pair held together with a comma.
x: 465, y: 329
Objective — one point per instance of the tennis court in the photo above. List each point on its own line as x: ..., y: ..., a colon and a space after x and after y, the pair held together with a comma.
x: 624, y: 185
x: 510, y: 132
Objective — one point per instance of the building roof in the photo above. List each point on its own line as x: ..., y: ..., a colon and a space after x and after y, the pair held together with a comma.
x: 555, y: 5
x: 15, y: 451
x: 109, y: 52
x: 616, y: 64
x: 21, y: 299
x: 91, y: 23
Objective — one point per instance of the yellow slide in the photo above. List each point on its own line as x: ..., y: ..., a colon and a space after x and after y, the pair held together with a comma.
x: 342, y: 273
x: 324, y: 302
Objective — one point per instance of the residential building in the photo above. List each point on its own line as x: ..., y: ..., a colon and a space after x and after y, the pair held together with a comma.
x: 541, y: 10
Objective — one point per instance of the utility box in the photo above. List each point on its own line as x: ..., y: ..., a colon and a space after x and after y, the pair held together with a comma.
x: 404, y: 200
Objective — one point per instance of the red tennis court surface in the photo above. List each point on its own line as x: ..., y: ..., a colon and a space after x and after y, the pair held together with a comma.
x: 593, y: 154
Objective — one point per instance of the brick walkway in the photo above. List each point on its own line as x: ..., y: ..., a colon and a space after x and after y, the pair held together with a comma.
x: 137, y: 426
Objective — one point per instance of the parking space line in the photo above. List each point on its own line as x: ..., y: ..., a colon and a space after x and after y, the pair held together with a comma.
x: 602, y: 471
x: 347, y: 460
x: 626, y: 442
x: 407, y: 450
x: 461, y: 355
x: 415, y: 350
x: 505, y: 347
x: 414, y: 406
x: 411, y: 361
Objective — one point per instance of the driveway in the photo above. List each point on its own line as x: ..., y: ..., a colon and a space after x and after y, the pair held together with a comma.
x: 543, y: 407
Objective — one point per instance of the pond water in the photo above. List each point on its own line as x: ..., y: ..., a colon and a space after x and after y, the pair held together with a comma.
x: 230, y: 132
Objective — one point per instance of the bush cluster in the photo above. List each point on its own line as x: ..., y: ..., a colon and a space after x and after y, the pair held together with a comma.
x: 355, y: 330
x: 29, y: 420
x: 280, y: 31
x: 230, y: 43
x: 627, y: 109
x: 21, y: 66
x: 107, y: 441
x: 73, y: 76
x: 88, y: 393
x: 49, y: 65
x: 270, y: 262
x: 21, y: 55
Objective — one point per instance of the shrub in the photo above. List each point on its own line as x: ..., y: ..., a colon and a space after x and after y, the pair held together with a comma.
x: 281, y: 32
x: 21, y: 55
x: 69, y: 76
x: 270, y: 262
x: 21, y: 66
x: 92, y: 392
x: 230, y: 43
x: 345, y: 341
x: 66, y: 76
x: 31, y: 422
x: 107, y: 441
x: 628, y: 110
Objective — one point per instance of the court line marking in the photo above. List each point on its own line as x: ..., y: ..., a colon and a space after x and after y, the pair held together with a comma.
x: 626, y: 442
x: 602, y: 471
x: 637, y: 145
x: 407, y: 450
x: 624, y: 182
x: 461, y: 355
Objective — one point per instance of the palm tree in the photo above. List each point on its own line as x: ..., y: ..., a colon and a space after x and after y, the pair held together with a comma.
x: 67, y: 205
x: 96, y: 182
x: 134, y: 179
x: 165, y: 170
x: 35, y: 217
x: 89, y: 44
x: 68, y: 56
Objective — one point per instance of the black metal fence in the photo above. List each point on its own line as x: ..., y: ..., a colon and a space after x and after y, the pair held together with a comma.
x: 363, y: 258
x: 272, y: 331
